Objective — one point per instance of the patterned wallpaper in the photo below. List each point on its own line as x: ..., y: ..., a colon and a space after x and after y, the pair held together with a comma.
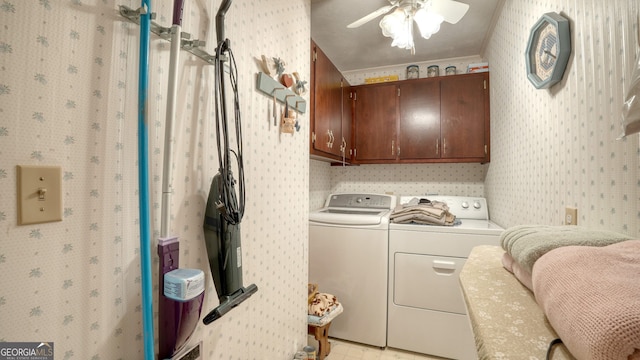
x: 556, y: 148
x: 68, y: 97
x: 413, y: 179
x: 319, y: 183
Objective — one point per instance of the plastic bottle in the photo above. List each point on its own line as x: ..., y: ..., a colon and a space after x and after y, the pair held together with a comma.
x: 311, y: 352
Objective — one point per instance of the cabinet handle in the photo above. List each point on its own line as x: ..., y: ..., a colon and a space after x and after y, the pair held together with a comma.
x: 398, y: 150
x: 392, y: 147
x: 438, y: 146
x: 329, y: 138
x: 444, y: 146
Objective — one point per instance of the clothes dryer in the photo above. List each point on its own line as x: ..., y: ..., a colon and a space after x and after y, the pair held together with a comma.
x: 426, y: 309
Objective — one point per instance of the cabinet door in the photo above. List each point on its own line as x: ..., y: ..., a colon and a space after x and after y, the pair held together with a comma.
x: 419, y: 123
x: 375, y: 133
x: 347, y: 120
x: 464, y: 108
x: 327, y: 107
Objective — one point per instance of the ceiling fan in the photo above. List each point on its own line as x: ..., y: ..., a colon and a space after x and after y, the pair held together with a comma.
x: 428, y: 15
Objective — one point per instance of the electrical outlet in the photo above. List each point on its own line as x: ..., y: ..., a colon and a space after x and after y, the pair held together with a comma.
x: 570, y: 216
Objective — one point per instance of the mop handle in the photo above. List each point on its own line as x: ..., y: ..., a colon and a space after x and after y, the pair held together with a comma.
x: 178, y: 6
x: 143, y: 183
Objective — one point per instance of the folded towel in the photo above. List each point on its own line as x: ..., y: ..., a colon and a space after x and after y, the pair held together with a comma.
x: 514, y: 267
x: 526, y: 243
x: 428, y: 213
x: 591, y: 297
x: 321, y: 304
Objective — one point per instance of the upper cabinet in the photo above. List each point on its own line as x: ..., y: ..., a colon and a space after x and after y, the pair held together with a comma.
x: 330, y: 110
x: 441, y: 119
x: 464, y: 115
x: 375, y: 129
x: 419, y: 120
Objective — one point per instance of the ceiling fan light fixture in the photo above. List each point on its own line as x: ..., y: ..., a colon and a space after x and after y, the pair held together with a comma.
x: 394, y: 23
x: 398, y: 26
x: 403, y: 41
x: 428, y: 15
x: 428, y: 22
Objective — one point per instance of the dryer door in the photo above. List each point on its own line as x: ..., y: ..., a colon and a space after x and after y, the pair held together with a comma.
x: 428, y: 282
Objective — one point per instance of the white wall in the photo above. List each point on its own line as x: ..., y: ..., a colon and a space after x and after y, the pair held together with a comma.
x: 556, y: 148
x: 411, y: 179
x: 319, y: 183
x: 68, y: 97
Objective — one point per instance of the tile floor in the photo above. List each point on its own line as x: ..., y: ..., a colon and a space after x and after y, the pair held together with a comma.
x: 345, y: 350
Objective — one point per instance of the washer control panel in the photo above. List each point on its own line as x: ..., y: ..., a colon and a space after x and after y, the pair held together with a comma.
x: 361, y: 201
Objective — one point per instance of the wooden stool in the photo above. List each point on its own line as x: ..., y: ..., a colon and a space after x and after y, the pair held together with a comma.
x: 320, y: 330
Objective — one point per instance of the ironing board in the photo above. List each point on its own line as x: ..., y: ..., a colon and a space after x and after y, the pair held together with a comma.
x: 319, y: 328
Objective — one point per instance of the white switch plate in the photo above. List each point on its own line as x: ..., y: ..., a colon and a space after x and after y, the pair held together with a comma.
x: 39, y: 194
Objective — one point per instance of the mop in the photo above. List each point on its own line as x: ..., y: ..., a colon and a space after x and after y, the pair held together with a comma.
x: 177, y: 316
x: 143, y: 182
x: 225, y: 208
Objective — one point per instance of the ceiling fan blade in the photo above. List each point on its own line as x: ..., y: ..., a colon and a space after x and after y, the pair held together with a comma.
x: 371, y: 16
x: 451, y: 11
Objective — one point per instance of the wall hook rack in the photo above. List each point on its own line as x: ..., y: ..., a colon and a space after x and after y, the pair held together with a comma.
x: 192, y: 46
x: 272, y: 88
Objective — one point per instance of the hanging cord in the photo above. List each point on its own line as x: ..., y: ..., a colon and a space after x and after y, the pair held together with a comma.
x: 230, y: 206
x: 551, y: 345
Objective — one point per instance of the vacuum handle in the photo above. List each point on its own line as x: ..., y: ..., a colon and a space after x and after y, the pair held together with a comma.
x: 224, y: 7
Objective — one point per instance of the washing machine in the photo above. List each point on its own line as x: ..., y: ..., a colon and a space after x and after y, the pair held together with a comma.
x: 426, y: 309
x: 348, y: 257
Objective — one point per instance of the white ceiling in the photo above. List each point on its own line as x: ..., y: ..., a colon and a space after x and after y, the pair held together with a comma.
x: 365, y: 47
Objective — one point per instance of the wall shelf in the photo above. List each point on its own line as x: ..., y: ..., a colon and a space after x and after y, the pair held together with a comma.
x: 271, y: 88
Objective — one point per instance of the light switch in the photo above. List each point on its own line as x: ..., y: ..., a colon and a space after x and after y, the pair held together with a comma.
x: 39, y: 194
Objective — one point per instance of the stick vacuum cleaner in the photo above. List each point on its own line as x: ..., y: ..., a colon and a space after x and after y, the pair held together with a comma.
x: 225, y: 256
x: 224, y: 209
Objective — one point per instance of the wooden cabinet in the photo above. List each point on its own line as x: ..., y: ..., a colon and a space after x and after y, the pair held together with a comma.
x: 375, y: 132
x: 330, y: 110
x: 419, y: 121
x: 465, y: 117
x: 347, y: 121
x: 441, y: 119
